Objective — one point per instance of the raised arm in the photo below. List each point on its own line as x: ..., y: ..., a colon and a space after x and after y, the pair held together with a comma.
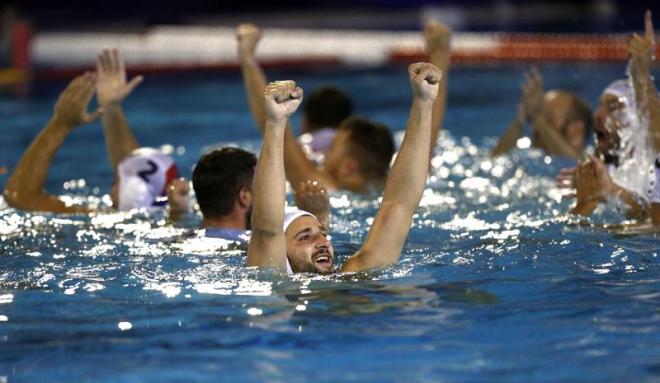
x: 25, y: 188
x: 438, y: 38
x: 298, y: 167
x: 533, y: 102
x: 510, y: 138
x: 530, y: 105
x: 406, y: 179
x: 267, y: 244
x: 111, y: 90
x: 642, y: 54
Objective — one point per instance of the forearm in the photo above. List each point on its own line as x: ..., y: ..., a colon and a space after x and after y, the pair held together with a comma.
x: 267, y: 247
x: 407, y: 177
x: 439, y: 58
x: 554, y: 142
x: 254, y: 80
x: 648, y: 104
x: 298, y: 167
x: 268, y: 185
x: 27, y: 181
x: 509, y: 139
x: 119, y: 139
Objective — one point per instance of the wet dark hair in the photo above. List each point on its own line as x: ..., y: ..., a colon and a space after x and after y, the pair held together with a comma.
x: 371, y: 144
x: 327, y: 107
x: 218, y: 178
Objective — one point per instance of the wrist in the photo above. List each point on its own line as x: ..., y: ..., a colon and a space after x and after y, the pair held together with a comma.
x: 423, y: 102
x: 276, y: 122
x: 246, y: 55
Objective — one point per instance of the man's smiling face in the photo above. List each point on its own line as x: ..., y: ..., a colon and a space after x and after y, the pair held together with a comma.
x: 308, y: 247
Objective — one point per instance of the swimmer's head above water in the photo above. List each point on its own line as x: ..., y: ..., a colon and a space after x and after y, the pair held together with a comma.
x: 568, y: 115
x: 307, y: 245
x: 222, y: 180
x: 361, y: 149
x: 611, y: 116
x: 142, y: 180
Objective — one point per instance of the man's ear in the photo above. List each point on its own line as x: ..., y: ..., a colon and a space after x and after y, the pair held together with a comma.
x: 575, y: 134
x: 245, y: 197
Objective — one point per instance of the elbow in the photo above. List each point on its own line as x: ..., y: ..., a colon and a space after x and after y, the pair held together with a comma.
x: 16, y: 199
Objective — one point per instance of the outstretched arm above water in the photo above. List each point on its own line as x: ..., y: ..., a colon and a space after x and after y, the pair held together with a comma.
x: 642, y: 55
x: 534, y: 103
x: 111, y: 90
x: 509, y: 139
x: 438, y: 36
x: 25, y: 187
x: 267, y: 244
x: 406, y: 180
x: 298, y: 167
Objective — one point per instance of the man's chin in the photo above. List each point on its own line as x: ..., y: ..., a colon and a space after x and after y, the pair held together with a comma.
x: 323, y: 268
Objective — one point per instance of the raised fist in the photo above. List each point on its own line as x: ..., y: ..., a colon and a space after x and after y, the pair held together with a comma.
x: 425, y: 79
x: 437, y: 36
x: 282, y: 99
x: 248, y: 36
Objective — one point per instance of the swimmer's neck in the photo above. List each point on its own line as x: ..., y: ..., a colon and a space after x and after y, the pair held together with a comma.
x: 232, y: 221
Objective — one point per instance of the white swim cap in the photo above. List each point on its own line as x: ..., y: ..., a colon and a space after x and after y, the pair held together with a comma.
x: 622, y: 90
x: 143, y: 178
x: 291, y: 213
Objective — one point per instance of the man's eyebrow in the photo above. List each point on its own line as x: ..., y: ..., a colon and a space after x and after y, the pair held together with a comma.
x: 305, y: 230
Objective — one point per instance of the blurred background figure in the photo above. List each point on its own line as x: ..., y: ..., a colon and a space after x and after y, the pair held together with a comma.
x: 561, y: 121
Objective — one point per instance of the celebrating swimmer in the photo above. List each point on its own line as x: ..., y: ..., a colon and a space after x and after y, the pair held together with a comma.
x: 560, y: 120
x: 144, y: 177
x: 595, y: 181
x: 297, y: 241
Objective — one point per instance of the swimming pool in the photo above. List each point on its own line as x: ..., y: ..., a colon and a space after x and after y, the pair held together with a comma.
x: 496, y: 283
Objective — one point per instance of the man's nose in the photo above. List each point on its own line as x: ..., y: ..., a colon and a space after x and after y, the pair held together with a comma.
x: 321, y: 242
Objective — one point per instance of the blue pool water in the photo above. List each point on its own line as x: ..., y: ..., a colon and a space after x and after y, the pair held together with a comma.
x: 496, y: 282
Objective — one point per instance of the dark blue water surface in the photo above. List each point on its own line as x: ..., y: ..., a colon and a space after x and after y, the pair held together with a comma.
x: 496, y: 282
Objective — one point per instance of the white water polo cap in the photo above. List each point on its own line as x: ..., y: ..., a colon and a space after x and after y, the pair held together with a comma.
x: 143, y: 178
x: 622, y: 90
x: 291, y: 213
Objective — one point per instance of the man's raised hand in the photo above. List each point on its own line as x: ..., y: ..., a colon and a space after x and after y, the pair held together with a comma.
x: 111, y: 85
x: 532, y: 94
x: 437, y: 36
x: 282, y: 99
x: 425, y: 79
x: 71, y: 106
x: 248, y: 36
x: 642, y: 49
